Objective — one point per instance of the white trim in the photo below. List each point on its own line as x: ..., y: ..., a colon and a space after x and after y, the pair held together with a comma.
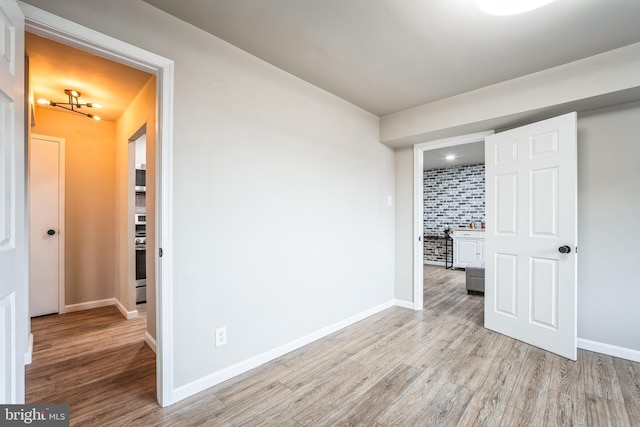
x: 61, y: 224
x: 69, y: 33
x: 28, y: 356
x: 403, y: 304
x: 89, y: 305
x: 102, y: 303
x: 61, y: 213
x: 610, y: 350
x: 164, y: 236
x: 418, y: 211
x: 239, y: 368
x: 8, y: 312
x: 126, y: 313
x: 151, y: 341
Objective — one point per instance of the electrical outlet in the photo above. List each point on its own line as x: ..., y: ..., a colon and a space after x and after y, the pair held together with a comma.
x: 221, y: 336
x: 437, y: 252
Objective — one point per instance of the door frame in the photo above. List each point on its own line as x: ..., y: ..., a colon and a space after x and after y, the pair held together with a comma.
x: 418, y: 201
x: 61, y: 211
x: 42, y: 23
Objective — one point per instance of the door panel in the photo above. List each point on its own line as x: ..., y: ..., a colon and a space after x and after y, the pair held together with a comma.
x: 506, y: 221
x: 13, y: 258
x: 506, y: 291
x: 544, y: 292
x: 530, y: 287
x: 6, y: 177
x: 544, y: 202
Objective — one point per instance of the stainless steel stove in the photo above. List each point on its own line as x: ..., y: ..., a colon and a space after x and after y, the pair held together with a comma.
x: 141, y: 268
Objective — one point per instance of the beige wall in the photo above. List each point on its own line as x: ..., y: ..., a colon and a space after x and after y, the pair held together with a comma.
x: 89, y: 191
x: 141, y: 111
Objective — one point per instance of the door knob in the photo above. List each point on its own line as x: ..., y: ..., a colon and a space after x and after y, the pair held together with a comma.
x: 564, y: 249
x: 51, y: 232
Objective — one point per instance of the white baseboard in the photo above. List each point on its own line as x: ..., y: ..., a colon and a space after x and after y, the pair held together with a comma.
x: 151, y: 342
x: 102, y: 303
x: 438, y: 263
x: 610, y: 350
x: 127, y: 314
x: 28, y: 356
x: 403, y: 304
x: 197, y: 386
x: 88, y: 305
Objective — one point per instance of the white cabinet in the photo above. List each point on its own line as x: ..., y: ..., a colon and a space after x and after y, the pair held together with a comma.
x: 468, y: 246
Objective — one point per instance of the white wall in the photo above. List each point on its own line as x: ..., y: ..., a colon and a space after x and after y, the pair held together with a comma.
x: 280, y: 212
x: 141, y: 150
x: 608, y: 229
x: 403, y: 243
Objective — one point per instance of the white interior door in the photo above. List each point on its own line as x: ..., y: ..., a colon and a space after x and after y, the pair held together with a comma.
x: 13, y: 327
x: 531, y: 183
x: 46, y: 210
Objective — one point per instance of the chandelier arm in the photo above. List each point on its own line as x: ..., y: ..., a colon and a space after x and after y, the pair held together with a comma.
x: 74, y: 105
x: 71, y: 109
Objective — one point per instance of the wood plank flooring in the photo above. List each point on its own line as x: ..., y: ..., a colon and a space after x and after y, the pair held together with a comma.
x: 437, y: 367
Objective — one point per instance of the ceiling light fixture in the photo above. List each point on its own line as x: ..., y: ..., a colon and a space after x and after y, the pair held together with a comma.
x: 450, y: 157
x: 73, y: 105
x: 509, y: 7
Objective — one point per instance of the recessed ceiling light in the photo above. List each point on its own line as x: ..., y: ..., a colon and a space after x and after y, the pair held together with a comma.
x: 450, y: 157
x: 509, y: 7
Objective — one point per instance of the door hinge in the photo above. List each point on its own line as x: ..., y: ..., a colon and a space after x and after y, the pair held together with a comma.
x: 160, y: 252
x: 420, y: 239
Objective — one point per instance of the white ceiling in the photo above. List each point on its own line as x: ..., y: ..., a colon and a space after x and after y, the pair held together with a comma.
x: 389, y: 55
x: 466, y: 154
x: 54, y: 67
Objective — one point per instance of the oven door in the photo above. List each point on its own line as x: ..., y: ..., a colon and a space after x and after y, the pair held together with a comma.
x: 141, y: 274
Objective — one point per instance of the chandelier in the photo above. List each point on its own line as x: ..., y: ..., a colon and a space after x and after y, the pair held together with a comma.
x: 74, y: 104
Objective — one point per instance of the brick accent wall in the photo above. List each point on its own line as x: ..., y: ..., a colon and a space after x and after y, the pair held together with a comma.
x: 452, y: 196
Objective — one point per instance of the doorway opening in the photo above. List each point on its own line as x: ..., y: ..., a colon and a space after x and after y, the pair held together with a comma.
x: 55, y: 28
x: 420, y: 150
x: 137, y: 181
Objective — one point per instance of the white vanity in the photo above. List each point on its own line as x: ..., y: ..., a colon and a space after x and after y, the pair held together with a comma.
x: 468, y: 246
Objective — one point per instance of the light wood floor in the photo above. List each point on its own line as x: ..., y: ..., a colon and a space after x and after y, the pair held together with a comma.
x: 436, y: 367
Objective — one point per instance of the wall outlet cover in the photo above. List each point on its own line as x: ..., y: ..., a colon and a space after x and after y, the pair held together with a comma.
x: 221, y: 336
